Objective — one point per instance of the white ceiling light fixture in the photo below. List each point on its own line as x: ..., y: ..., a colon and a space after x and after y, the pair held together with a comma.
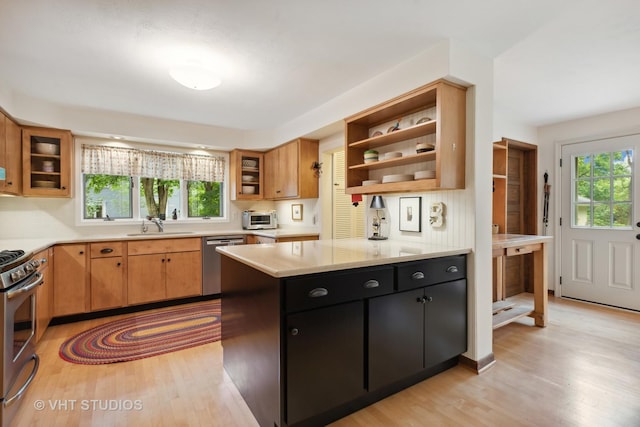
x: 195, y: 76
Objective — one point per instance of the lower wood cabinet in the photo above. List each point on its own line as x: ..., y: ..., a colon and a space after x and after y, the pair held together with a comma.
x: 108, y: 276
x: 164, y: 269
x: 71, y: 279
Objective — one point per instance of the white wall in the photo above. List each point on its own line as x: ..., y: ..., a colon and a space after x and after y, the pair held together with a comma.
x: 550, y: 140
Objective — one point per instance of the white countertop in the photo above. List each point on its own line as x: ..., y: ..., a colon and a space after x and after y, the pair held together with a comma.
x: 36, y: 245
x: 314, y: 256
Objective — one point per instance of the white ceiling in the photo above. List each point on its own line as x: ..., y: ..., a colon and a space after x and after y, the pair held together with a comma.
x: 554, y: 60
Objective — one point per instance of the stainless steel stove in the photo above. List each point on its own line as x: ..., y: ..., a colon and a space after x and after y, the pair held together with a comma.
x: 19, y: 279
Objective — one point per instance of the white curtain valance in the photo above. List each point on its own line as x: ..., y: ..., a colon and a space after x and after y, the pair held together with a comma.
x: 100, y: 159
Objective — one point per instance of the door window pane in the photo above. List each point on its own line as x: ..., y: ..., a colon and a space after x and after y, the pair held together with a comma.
x: 602, y: 189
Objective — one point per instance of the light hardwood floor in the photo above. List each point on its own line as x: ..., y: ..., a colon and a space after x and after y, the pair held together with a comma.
x: 581, y: 370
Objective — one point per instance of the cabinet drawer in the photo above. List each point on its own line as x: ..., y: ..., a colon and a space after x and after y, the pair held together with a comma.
x: 160, y: 246
x: 521, y: 250
x: 332, y: 288
x: 417, y: 274
x: 106, y: 249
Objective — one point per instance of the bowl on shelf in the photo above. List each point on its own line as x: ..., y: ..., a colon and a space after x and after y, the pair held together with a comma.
x: 423, y: 147
x: 248, y: 189
x: 370, y: 156
x: 46, y: 148
x: 44, y: 184
x: 397, y: 178
x: 392, y: 155
x: 47, y: 166
x: 247, y: 178
x: 249, y: 163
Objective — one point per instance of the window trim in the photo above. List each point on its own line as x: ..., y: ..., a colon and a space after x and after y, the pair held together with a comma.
x: 78, y: 188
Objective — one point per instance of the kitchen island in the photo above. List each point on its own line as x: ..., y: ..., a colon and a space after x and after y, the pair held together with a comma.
x: 315, y: 330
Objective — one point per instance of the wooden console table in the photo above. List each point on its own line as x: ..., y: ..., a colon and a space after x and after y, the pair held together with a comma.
x: 505, y: 245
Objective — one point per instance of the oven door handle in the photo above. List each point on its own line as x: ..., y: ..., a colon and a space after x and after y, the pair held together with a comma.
x: 8, y: 402
x: 26, y: 288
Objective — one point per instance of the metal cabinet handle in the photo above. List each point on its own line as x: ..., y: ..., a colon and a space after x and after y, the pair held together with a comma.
x: 106, y: 251
x: 429, y: 299
x: 418, y: 275
x: 452, y: 269
x: 318, y: 292
x: 294, y: 331
x: 369, y: 284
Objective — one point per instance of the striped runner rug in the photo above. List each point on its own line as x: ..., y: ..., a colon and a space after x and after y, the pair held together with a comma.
x: 145, y: 335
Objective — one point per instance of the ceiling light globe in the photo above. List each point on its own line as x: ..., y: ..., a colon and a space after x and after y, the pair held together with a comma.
x: 195, y: 77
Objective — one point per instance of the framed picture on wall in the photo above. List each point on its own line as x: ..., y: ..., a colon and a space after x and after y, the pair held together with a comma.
x: 296, y: 212
x: 410, y: 213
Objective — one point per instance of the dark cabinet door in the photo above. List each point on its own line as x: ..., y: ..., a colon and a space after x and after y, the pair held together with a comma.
x: 325, y: 359
x: 445, y: 322
x: 395, y: 337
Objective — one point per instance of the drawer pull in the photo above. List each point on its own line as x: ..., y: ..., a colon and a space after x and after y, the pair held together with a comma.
x: 294, y: 331
x: 369, y: 284
x: 318, y: 292
x: 452, y: 269
x: 106, y: 251
x: 418, y: 275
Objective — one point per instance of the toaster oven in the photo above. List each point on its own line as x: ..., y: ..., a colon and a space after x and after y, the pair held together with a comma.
x: 256, y: 220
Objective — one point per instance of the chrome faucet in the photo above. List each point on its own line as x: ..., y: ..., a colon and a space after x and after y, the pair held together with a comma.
x: 158, y: 223
x: 143, y: 227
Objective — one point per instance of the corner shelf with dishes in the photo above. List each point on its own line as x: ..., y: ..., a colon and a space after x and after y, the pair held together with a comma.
x: 432, y: 148
x: 246, y: 174
x: 47, y: 155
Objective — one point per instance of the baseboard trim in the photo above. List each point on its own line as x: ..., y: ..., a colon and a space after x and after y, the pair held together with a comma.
x: 478, y: 366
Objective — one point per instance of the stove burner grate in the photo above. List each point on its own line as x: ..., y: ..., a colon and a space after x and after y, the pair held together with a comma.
x: 7, y: 257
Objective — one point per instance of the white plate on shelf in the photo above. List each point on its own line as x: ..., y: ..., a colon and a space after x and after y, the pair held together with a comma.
x: 428, y: 174
x: 397, y: 178
x: 44, y: 184
x: 371, y: 182
x: 247, y: 189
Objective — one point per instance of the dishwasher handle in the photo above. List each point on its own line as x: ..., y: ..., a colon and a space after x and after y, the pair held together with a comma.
x: 224, y: 242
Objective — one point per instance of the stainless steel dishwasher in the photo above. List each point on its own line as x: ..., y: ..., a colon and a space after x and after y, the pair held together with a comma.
x: 211, y: 261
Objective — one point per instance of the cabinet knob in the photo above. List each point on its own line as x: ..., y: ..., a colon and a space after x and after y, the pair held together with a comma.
x: 81, y: 252
x: 64, y: 188
x: 429, y: 299
x: 168, y: 259
x: 453, y: 269
x: 318, y: 292
x: 9, y: 182
x: 162, y: 259
x: 294, y: 331
x: 369, y: 284
x: 418, y: 275
x: 119, y: 264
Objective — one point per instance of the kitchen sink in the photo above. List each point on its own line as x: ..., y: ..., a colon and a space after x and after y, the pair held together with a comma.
x: 160, y: 233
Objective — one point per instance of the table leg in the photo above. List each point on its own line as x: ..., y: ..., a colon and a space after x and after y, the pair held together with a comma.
x: 540, y: 286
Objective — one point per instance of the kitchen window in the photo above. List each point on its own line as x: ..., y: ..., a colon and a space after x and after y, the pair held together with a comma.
x: 124, y: 183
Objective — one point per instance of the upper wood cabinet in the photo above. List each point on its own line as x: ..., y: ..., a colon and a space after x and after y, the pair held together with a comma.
x: 47, y: 157
x: 289, y: 171
x: 422, y: 130
x: 246, y: 172
x: 10, y: 156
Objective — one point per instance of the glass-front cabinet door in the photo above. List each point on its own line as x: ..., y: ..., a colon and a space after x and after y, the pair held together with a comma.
x: 47, y: 159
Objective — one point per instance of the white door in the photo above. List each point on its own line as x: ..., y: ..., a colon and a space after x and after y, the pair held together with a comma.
x: 600, y: 216
x: 348, y: 220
